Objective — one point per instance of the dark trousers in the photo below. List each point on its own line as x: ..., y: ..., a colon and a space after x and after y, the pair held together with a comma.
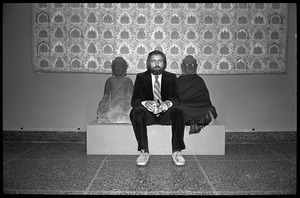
x: 141, y: 118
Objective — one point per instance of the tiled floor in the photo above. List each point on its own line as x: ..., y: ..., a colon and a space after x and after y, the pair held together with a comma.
x: 65, y: 168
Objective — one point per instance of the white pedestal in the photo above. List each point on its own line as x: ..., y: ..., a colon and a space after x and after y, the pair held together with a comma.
x: 119, y: 139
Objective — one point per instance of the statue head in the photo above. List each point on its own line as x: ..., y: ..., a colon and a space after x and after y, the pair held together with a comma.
x: 119, y: 67
x: 156, y: 62
x: 189, y: 65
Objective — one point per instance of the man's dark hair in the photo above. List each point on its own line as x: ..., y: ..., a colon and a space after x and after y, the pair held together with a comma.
x: 155, y: 52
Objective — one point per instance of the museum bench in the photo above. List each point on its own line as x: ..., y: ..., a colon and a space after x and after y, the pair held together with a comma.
x: 119, y: 139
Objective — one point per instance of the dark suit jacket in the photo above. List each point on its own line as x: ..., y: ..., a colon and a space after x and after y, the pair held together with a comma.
x: 143, y: 88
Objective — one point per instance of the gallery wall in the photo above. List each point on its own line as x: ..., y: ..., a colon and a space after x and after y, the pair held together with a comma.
x: 68, y: 101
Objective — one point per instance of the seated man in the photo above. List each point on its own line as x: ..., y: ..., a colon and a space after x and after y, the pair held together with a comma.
x: 155, y: 101
x: 194, y: 97
x: 115, y: 105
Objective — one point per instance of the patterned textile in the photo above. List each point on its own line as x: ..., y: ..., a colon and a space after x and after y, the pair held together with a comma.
x: 225, y: 38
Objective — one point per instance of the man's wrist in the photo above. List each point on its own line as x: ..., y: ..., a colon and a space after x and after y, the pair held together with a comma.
x: 144, y: 103
x: 169, y: 103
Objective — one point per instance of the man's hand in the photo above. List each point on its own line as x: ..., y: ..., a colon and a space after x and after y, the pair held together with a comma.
x: 151, y: 105
x: 163, y: 107
x: 156, y: 107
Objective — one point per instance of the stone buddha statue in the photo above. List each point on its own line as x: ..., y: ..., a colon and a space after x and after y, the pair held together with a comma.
x: 115, y: 105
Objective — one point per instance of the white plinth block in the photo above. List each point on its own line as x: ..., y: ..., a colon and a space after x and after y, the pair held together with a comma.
x: 119, y: 139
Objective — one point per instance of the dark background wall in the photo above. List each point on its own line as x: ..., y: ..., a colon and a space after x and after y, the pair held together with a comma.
x: 64, y: 102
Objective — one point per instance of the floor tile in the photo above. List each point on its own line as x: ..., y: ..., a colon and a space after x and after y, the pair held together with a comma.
x: 156, y: 176
x: 287, y: 150
x: 14, y: 149
x: 49, y: 174
x: 65, y: 168
x: 10, y: 192
x: 59, y: 151
x: 243, y: 152
x: 151, y: 158
x: 251, y: 175
x: 253, y: 193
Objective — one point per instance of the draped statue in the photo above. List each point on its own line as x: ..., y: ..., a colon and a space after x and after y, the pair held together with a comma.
x: 194, y: 97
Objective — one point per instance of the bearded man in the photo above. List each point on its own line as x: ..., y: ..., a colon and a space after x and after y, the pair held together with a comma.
x: 155, y: 100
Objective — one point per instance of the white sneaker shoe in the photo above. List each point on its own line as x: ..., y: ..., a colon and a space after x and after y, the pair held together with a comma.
x: 178, y: 159
x: 142, y: 160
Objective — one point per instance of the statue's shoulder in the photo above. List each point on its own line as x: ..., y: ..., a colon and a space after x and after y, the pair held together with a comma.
x: 126, y: 78
x: 111, y: 78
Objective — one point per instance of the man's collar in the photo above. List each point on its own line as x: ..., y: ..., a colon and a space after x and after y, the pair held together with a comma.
x: 156, y: 75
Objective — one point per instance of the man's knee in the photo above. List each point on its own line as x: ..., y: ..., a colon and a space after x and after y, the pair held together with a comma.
x: 137, y: 111
x: 177, y: 112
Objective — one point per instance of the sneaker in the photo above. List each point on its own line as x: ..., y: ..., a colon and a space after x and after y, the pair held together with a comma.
x: 142, y: 160
x: 178, y: 159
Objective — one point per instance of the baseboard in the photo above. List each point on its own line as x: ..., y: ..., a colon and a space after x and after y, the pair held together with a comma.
x: 260, y: 137
x: 45, y: 136
x: 80, y: 137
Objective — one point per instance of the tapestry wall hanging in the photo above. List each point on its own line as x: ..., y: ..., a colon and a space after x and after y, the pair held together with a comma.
x: 225, y: 38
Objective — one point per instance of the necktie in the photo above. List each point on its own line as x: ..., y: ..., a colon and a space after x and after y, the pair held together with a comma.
x: 157, y: 96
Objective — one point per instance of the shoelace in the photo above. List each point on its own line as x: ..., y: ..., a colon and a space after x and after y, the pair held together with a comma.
x: 177, y: 155
x: 143, y: 154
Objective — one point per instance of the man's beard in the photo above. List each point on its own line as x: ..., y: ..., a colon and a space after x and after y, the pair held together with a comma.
x: 156, y: 71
